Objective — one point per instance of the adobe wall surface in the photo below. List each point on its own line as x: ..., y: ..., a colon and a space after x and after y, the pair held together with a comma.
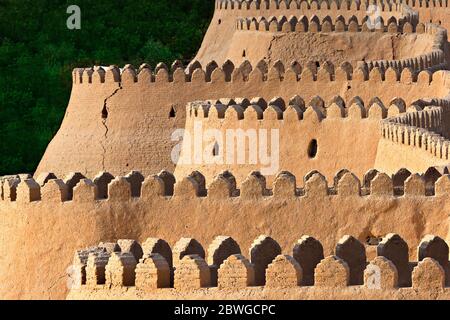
x: 334, y: 47
x: 224, y: 20
x: 257, y: 293
x: 52, y: 230
x: 89, y: 143
x: 127, y: 270
x: 336, y: 138
x: 239, y: 133
x: 391, y: 156
x: 438, y: 12
x: 122, y: 119
x: 106, y: 126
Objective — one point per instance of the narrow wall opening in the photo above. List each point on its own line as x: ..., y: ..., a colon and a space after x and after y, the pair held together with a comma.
x: 172, y: 113
x: 312, y: 149
x: 215, y: 151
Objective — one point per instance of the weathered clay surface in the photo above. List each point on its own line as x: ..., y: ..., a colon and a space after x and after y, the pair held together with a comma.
x: 374, y: 102
x: 53, y: 230
x: 332, y: 277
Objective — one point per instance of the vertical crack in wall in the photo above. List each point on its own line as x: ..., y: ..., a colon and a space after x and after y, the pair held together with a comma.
x: 269, y: 51
x: 393, y: 48
x: 105, y: 114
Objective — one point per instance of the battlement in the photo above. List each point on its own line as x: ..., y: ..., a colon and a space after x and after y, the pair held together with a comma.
x: 301, y: 25
x: 328, y: 5
x: 100, y: 101
x: 370, y: 207
x: 406, y: 70
x: 328, y: 24
x: 303, y: 89
x: 425, y: 3
x: 419, y: 129
x: 134, y: 187
x: 353, y: 5
x: 257, y: 109
x: 148, y: 269
x: 323, y: 19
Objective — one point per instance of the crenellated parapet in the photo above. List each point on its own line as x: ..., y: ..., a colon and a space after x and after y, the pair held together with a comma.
x: 292, y: 92
x: 368, y: 207
x: 421, y: 129
x: 435, y: 11
x: 428, y: 62
x: 327, y: 24
x: 407, y: 10
x: 406, y: 70
x: 217, y: 131
x: 380, y: 10
x: 301, y: 25
x: 317, y: 109
x: 425, y: 3
x: 434, y: 182
x: 100, y: 101
x: 296, y: 24
x: 387, y: 5
x: 325, y: 5
x: 389, y: 273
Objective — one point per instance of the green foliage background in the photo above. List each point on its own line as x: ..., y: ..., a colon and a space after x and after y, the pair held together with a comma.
x: 38, y: 53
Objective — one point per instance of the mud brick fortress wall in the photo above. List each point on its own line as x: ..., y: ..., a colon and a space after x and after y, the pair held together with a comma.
x: 336, y: 128
x: 105, y: 124
x: 55, y: 218
x: 128, y: 270
x: 431, y: 11
x: 311, y: 17
x: 376, y: 103
x: 418, y: 132
x: 122, y: 119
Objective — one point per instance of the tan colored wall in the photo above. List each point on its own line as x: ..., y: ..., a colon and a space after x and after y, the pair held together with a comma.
x: 351, y: 272
x: 415, y: 140
x: 259, y: 293
x: 346, y: 138
x: 432, y: 12
x: 392, y: 156
x: 138, y: 128
x: 349, y: 142
x: 39, y: 238
x: 46, y: 233
x: 217, y: 42
x: 334, y: 47
x: 137, y: 131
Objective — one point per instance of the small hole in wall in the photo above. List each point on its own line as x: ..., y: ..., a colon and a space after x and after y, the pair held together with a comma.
x: 215, y: 151
x: 349, y: 87
x: 244, y: 54
x: 172, y: 113
x: 312, y: 149
x: 220, y: 21
x: 104, y: 113
x: 373, y: 241
x: 317, y: 64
